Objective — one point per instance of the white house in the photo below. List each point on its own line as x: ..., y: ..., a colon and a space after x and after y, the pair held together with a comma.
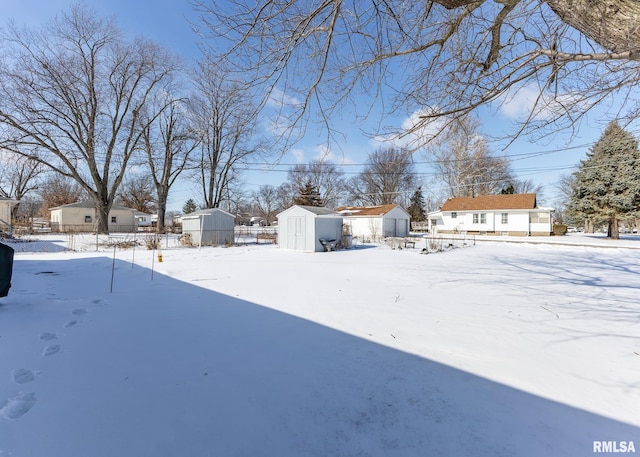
x: 375, y: 222
x: 514, y: 214
x: 81, y: 217
x: 211, y: 226
x: 300, y: 228
x: 6, y: 206
x: 143, y: 219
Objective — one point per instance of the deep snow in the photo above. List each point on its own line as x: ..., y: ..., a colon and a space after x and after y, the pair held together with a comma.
x: 496, y: 349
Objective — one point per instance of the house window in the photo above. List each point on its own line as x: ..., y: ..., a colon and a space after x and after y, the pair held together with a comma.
x: 113, y: 219
x: 480, y: 218
x: 87, y: 219
x: 454, y: 215
x: 505, y: 218
x: 539, y: 218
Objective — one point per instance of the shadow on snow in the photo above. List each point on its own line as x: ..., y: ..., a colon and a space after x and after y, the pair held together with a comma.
x: 184, y: 370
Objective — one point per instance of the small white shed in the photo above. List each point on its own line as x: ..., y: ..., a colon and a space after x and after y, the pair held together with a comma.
x: 300, y: 228
x: 375, y: 222
x: 211, y: 226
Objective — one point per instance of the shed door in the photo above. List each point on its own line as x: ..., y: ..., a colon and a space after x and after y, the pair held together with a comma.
x: 295, y: 233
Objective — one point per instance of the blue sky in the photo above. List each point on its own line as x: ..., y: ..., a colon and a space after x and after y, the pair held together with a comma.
x: 166, y: 22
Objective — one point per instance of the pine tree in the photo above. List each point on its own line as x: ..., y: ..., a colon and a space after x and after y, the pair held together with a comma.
x: 308, y: 195
x: 189, y: 206
x: 607, y: 183
x: 416, y: 207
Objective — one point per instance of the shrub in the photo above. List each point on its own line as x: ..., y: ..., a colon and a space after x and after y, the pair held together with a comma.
x: 559, y: 229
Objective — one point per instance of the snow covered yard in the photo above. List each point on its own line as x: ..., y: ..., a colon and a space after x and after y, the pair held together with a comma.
x: 499, y: 349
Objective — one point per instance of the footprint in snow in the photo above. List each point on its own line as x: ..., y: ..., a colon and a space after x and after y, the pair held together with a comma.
x: 17, y: 406
x: 48, y: 336
x: 22, y: 376
x: 79, y: 311
x: 70, y: 324
x: 51, y: 350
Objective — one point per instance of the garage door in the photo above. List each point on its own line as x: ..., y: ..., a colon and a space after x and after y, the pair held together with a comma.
x: 389, y: 227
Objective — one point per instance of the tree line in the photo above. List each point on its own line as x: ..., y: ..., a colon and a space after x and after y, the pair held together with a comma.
x: 82, y: 108
x: 85, y: 105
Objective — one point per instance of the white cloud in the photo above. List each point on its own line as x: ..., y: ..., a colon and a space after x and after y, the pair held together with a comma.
x: 527, y: 101
x: 298, y: 155
x: 325, y: 154
x: 279, y: 99
x: 519, y: 104
x: 415, y: 131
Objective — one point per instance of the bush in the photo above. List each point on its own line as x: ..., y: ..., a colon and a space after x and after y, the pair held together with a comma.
x: 559, y: 229
x: 185, y: 239
x: 152, y: 242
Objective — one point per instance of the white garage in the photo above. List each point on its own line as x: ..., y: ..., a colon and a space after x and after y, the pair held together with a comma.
x: 300, y: 228
x: 371, y: 223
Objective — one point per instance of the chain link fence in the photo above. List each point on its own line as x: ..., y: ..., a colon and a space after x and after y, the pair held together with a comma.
x: 87, y: 242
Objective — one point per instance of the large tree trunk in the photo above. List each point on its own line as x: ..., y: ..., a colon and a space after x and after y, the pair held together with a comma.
x: 613, y: 24
x: 613, y: 231
x: 102, y: 215
x: 162, y: 213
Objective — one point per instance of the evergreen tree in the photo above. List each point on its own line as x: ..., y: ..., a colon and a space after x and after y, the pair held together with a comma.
x: 607, y: 184
x: 189, y: 206
x: 308, y: 195
x: 416, y: 208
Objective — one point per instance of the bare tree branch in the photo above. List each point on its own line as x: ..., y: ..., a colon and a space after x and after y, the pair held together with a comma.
x: 447, y: 57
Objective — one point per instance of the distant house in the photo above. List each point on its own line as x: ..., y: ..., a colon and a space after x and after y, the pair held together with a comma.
x: 208, y: 227
x: 6, y: 205
x: 300, y: 228
x: 374, y: 222
x: 144, y: 220
x: 514, y: 214
x: 81, y: 217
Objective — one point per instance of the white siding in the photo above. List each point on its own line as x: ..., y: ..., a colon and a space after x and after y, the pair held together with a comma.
x: 327, y: 227
x: 210, y: 227
x: 300, y: 229
x: 79, y: 219
x: 393, y: 223
x: 369, y: 228
x: 518, y: 222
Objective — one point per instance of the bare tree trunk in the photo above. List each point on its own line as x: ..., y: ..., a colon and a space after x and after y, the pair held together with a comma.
x: 613, y: 231
x: 162, y: 211
x: 102, y: 215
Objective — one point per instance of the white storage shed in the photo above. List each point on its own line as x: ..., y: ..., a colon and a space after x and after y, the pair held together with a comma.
x: 375, y: 222
x: 209, y: 227
x: 300, y: 228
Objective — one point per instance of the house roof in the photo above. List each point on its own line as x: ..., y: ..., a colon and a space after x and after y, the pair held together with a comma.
x: 490, y: 202
x: 365, y: 211
x: 88, y: 204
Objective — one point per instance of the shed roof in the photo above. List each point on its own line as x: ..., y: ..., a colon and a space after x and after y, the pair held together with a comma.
x: 490, y: 202
x: 199, y: 213
x: 317, y: 210
x: 368, y: 211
